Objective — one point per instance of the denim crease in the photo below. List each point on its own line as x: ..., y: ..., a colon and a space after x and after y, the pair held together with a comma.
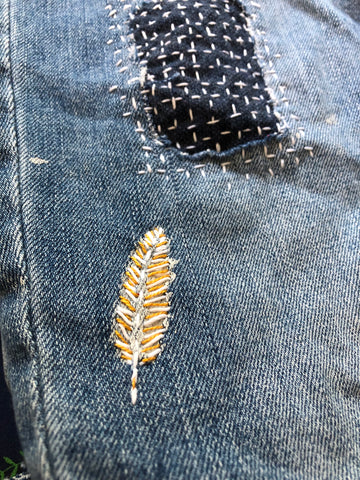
x: 20, y: 357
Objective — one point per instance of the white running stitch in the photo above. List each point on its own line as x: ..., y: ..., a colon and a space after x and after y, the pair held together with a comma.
x: 266, y: 63
x: 217, y: 5
x: 133, y: 104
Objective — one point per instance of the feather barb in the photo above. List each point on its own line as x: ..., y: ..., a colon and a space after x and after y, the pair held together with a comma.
x: 143, y: 304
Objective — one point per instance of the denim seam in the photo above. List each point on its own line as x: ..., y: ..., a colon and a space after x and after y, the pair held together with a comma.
x: 20, y: 476
x: 39, y: 425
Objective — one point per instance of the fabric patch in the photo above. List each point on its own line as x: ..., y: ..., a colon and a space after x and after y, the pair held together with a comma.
x: 143, y: 309
x: 203, y: 83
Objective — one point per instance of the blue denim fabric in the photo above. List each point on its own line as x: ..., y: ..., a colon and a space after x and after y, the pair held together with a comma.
x: 260, y: 376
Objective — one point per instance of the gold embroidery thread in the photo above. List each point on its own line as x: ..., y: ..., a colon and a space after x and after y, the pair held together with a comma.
x: 141, y: 315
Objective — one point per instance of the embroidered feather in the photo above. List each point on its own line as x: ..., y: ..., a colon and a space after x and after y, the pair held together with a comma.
x: 143, y: 308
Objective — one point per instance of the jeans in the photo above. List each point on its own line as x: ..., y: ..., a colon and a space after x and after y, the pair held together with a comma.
x: 259, y: 375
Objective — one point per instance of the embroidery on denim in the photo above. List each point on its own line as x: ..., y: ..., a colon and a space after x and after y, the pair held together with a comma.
x: 283, y: 149
x: 203, y: 83
x: 141, y: 315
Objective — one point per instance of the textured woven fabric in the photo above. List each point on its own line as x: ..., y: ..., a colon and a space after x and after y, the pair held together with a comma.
x: 259, y: 377
x: 203, y: 82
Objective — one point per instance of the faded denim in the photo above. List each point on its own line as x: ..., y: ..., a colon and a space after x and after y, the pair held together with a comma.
x: 260, y: 377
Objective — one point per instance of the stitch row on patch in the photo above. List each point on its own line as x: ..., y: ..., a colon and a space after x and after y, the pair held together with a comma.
x: 288, y: 155
x: 203, y: 84
x: 131, y: 98
x: 276, y: 90
x: 143, y: 308
x: 291, y: 146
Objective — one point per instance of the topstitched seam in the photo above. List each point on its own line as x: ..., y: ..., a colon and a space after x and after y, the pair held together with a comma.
x: 25, y: 282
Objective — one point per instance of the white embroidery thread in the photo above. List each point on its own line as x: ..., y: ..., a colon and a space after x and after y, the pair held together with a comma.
x: 141, y: 315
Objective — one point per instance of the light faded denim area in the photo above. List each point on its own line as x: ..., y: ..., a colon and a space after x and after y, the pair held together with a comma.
x: 260, y: 377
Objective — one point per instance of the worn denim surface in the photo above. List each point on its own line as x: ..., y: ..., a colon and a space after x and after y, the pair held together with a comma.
x: 260, y: 377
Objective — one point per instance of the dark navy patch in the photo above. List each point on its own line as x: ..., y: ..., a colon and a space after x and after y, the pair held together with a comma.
x: 203, y: 83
